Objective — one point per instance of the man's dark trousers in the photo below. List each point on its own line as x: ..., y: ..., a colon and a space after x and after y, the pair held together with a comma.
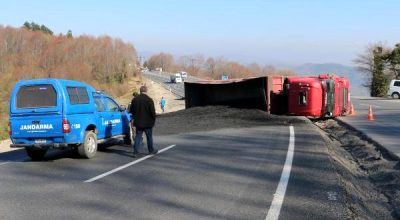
x: 138, y: 139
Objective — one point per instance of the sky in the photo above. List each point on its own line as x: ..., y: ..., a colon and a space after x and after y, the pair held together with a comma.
x: 280, y: 32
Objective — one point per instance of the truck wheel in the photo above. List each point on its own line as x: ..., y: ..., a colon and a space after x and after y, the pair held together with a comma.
x: 396, y: 95
x: 35, y: 154
x: 128, y: 139
x: 89, y: 147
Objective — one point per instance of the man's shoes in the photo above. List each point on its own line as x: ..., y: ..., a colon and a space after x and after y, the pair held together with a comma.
x: 135, y: 155
x: 154, y: 152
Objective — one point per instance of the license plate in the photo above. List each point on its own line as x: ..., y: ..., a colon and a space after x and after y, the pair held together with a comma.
x: 40, y: 141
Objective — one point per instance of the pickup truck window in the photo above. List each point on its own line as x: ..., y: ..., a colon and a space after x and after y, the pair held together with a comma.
x: 111, y: 106
x: 99, y: 104
x: 78, y: 95
x: 36, y: 96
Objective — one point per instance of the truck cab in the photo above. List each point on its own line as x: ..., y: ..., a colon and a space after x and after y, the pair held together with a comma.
x: 58, y: 113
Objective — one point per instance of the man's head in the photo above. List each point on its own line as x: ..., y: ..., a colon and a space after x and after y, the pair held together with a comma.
x: 143, y: 89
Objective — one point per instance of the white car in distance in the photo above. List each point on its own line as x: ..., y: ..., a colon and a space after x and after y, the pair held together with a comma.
x: 184, y: 74
x: 394, y: 89
x: 176, y: 78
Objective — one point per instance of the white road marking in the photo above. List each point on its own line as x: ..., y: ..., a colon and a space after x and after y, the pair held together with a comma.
x: 373, y: 106
x: 126, y: 165
x: 4, y: 163
x: 276, y: 205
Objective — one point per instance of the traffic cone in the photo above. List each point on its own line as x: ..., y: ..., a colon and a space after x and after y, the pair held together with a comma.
x: 370, y: 115
x: 352, y: 112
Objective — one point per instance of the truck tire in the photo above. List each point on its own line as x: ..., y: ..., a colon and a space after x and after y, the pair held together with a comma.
x: 89, y: 147
x: 35, y: 154
x: 396, y: 95
x: 128, y: 139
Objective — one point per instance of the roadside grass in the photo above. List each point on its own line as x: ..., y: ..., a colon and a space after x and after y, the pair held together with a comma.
x: 3, y: 122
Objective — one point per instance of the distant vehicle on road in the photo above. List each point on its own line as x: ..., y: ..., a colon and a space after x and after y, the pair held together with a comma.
x: 176, y: 78
x: 57, y: 113
x: 224, y: 77
x: 394, y: 89
x: 184, y: 75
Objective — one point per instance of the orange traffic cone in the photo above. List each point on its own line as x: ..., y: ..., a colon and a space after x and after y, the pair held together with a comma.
x: 370, y: 115
x: 352, y: 112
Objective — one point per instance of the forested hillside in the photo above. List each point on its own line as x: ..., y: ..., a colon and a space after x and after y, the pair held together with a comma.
x: 211, y: 68
x: 27, y: 53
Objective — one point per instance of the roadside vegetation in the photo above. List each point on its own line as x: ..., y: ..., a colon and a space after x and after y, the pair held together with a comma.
x: 32, y: 51
x: 380, y: 64
x: 211, y: 68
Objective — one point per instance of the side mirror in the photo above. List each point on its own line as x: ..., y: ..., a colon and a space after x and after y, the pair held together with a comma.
x: 122, y: 108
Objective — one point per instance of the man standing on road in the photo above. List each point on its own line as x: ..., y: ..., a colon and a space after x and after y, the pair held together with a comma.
x: 144, y: 114
x: 162, y: 104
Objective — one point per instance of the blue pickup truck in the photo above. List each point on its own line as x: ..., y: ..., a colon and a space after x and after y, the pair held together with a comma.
x: 58, y: 113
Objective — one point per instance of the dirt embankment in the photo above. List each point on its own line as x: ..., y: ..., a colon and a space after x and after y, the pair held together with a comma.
x: 370, y: 176
x: 156, y: 92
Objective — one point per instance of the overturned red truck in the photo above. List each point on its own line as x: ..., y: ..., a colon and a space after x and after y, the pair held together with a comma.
x: 313, y: 96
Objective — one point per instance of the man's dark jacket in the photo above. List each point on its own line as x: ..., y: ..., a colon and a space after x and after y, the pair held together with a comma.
x: 143, y: 111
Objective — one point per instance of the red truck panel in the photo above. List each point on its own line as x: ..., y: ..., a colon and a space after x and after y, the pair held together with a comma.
x: 305, y: 96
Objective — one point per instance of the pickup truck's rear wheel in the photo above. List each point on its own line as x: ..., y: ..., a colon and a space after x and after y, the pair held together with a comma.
x: 128, y: 139
x: 35, y: 154
x: 89, y: 147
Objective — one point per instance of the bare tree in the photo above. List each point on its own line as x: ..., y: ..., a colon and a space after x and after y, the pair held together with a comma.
x: 373, y: 63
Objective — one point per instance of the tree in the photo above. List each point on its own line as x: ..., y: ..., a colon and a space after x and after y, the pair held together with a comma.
x: 45, y: 29
x: 35, y: 27
x: 27, y: 25
x: 394, y: 60
x: 211, y: 66
x: 162, y: 60
x: 373, y: 63
x: 69, y: 34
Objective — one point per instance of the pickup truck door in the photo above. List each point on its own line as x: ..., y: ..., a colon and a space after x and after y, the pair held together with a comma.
x: 115, y: 120
x: 101, y: 117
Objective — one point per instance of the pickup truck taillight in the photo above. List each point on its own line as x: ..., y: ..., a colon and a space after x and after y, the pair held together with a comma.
x: 66, y: 126
x: 9, y: 128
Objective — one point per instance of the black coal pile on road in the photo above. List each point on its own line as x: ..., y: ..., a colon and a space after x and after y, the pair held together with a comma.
x: 216, y: 117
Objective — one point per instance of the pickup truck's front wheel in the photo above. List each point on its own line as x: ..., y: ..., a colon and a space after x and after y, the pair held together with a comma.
x: 89, y: 147
x: 35, y: 154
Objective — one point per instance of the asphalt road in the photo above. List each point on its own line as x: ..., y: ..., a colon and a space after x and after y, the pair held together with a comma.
x: 164, y: 79
x: 385, y: 128
x: 222, y: 174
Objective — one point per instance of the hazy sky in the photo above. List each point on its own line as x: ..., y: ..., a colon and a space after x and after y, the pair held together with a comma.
x: 268, y: 32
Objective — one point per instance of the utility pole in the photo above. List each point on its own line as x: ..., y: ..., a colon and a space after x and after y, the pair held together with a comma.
x: 192, y: 63
x: 140, y: 58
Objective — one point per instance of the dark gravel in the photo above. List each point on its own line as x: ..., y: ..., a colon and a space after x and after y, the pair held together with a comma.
x: 370, y: 176
x: 216, y: 117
